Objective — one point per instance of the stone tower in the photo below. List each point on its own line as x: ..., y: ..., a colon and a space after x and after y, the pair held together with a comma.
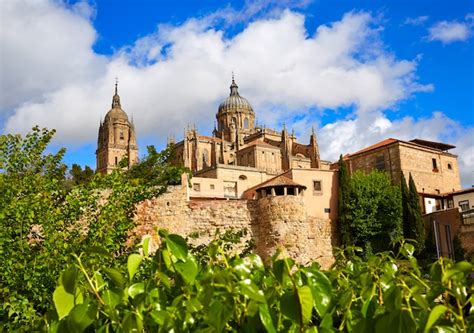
x: 235, y: 117
x: 116, y: 139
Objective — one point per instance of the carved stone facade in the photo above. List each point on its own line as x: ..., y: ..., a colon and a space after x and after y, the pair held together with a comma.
x: 116, y: 139
x: 237, y: 141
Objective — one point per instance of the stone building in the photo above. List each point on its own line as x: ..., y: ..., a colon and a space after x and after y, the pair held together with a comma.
x: 246, y: 176
x: 434, y: 170
x: 263, y: 180
x: 116, y: 139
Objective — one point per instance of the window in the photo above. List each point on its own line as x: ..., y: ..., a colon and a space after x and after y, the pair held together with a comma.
x: 327, y: 210
x: 116, y: 160
x: 464, y: 205
x: 380, y: 163
x: 205, y: 158
x: 435, y: 165
x: 121, y: 136
x: 450, y: 167
x: 246, y: 123
x: 317, y: 186
x: 243, y: 177
x: 197, y: 187
x: 212, y: 186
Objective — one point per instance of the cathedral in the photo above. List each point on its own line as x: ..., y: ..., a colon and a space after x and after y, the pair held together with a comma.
x: 237, y: 141
x: 116, y: 139
x: 246, y: 176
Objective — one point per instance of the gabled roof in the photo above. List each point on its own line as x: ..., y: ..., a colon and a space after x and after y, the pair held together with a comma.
x: 383, y: 143
x: 279, y: 181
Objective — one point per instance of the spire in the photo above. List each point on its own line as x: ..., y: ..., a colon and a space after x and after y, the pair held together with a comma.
x: 234, y: 88
x: 116, y: 98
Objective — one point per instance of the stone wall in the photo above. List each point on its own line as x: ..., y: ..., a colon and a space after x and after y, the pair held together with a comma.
x: 279, y: 222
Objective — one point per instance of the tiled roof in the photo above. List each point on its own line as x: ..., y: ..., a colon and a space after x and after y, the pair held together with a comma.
x: 279, y: 181
x: 261, y: 144
x: 383, y: 143
x: 210, y: 138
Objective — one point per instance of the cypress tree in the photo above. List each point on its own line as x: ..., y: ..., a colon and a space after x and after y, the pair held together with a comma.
x: 406, y: 218
x: 343, y: 204
x: 414, y: 211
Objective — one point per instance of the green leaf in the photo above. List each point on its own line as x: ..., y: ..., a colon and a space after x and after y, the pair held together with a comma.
x: 187, y: 269
x: 64, y: 302
x: 112, y: 297
x: 82, y: 316
x: 249, y: 289
x: 306, y: 302
x: 99, y: 250
x: 115, y: 276
x: 266, y: 318
x: 321, y: 290
x: 177, y: 246
x: 69, y: 279
x: 136, y: 289
x: 437, y: 312
x: 409, y: 248
x: 289, y: 306
x: 146, y: 245
x: 134, y: 260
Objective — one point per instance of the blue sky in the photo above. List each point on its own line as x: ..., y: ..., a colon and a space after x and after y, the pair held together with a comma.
x: 359, y: 71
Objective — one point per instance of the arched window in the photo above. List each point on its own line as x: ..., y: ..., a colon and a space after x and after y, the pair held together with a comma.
x: 205, y: 158
x: 246, y: 123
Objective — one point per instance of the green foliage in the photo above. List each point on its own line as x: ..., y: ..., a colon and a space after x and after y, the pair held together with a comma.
x: 344, y: 197
x: 44, y: 218
x: 375, y: 220
x: 80, y: 176
x: 173, y: 290
x: 413, y: 225
x: 156, y: 169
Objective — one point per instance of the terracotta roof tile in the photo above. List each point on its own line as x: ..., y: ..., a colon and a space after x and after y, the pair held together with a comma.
x: 210, y: 138
x: 383, y: 143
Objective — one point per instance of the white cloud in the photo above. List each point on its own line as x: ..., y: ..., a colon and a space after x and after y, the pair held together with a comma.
x: 419, y: 20
x: 350, y: 135
x: 449, y: 32
x: 183, y: 72
x: 44, y: 46
x: 179, y: 74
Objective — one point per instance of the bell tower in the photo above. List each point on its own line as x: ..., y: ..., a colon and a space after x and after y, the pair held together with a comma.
x: 116, y: 139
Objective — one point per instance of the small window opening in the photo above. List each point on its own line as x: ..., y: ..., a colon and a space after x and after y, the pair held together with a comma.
x: 317, y: 185
x: 212, y: 186
x: 290, y: 191
x: 121, y: 136
x: 279, y: 191
x: 116, y: 160
x: 450, y: 167
x: 435, y: 165
x: 197, y: 187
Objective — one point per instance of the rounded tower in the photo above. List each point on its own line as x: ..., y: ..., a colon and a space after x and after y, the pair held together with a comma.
x: 235, y: 115
x: 116, y: 139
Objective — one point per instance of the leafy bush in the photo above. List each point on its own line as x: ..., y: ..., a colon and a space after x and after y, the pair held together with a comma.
x: 44, y: 218
x: 172, y: 290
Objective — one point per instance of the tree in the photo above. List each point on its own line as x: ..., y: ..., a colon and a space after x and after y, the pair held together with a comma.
x: 79, y: 176
x: 375, y: 221
x: 413, y: 225
x: 43, y: 220
x: 343, y: 208
x: 157, y: 168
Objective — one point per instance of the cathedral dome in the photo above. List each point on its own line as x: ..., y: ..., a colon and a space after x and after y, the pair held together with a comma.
x: 116, y: 113
x: 235, y: 102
